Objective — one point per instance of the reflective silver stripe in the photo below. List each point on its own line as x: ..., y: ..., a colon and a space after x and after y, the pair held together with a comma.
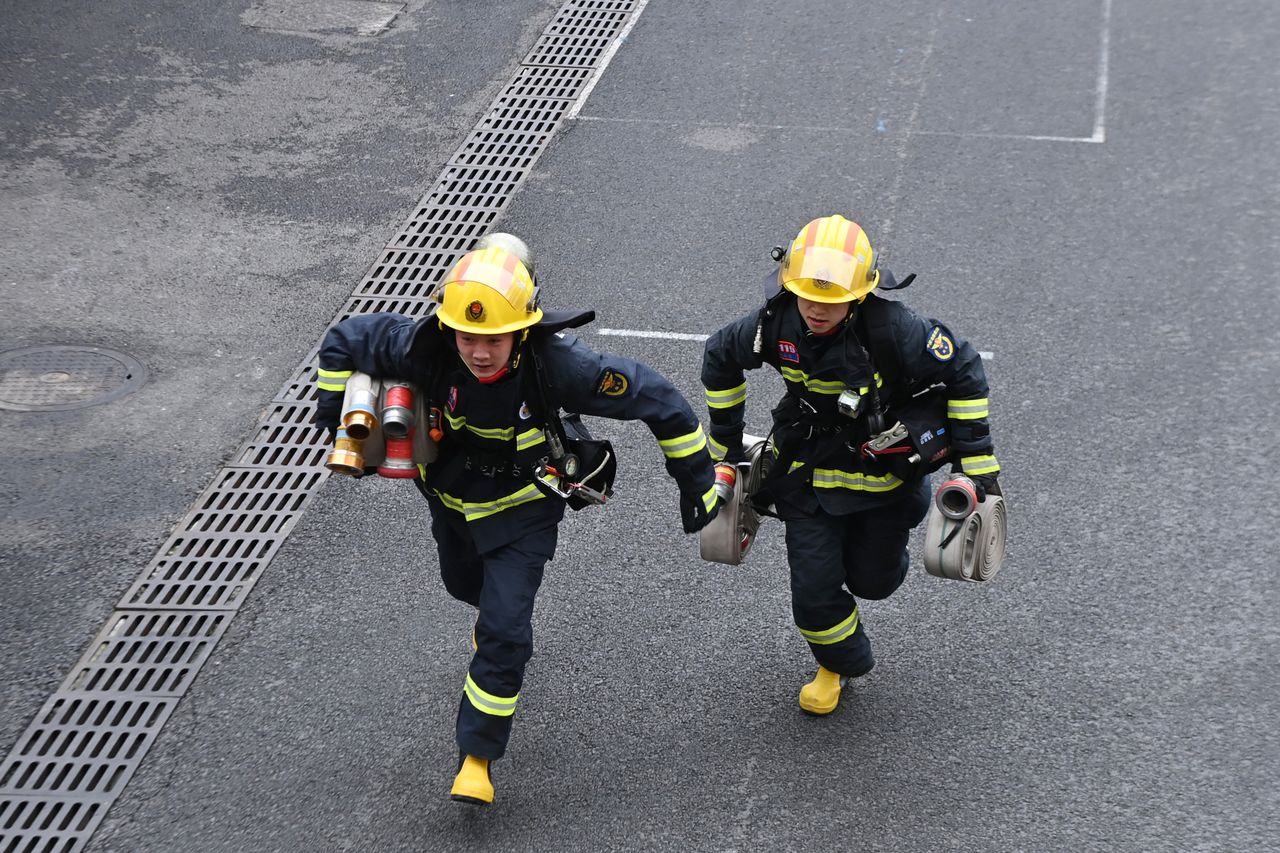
x: 709, y: 499
x: 967, y: 410
x: 979, y: 464
x: 683, y: 445
x: 483, y: 509
x: 728, y: 398
x: 817, y: 386
x: 717, y: 449
x: 529, y: 438
x: 832, y: 478
x: 495, y: 433
x: 333, y: 380
x: 830, y: 636
x: 487, y: 703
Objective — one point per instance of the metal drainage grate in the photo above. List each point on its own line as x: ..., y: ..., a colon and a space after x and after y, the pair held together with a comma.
x: 57, y: 378
x: 90, y: 736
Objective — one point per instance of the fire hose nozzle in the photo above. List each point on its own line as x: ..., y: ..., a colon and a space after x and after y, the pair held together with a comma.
x: 359, y: 415
x: 957, y: 498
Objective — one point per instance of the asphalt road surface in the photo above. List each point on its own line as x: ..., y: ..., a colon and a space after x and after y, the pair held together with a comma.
x: 1088, y: 191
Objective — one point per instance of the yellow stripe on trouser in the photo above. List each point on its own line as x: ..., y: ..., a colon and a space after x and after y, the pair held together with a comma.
x: 333, y: 380
x: 833, y: 635
x: 683, y: 445
x: 716, y: 449
x: 727, y: 398
x: 487, y: 703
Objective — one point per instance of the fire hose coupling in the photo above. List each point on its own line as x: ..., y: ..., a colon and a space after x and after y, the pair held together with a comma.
x: 385, y: 427
x: 957, y: 498
x: 965, y: 538
x: 359, y: 415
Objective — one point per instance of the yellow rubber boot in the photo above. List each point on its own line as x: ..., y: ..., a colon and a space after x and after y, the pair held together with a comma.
x: 472, y: 784
x: 821, y: 695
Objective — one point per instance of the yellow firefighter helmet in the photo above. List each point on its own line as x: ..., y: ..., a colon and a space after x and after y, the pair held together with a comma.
x: 490, y: 290
x: 830, y: 260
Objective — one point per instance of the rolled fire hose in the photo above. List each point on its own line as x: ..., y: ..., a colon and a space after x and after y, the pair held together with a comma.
x: 727, y: 538
x: 964, y: 539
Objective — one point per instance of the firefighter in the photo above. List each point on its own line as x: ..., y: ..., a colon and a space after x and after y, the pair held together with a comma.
x: 494, y: 526
x: 854, y: 364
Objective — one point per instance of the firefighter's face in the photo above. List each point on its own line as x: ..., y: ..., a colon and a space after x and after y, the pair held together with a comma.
x: 485, y: 355
x: 822, y: 317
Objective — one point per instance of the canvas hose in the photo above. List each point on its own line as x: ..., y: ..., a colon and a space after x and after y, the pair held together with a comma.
x: 970, y: 548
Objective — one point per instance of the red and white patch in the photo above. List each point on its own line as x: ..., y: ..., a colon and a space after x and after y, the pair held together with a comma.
x: 787, y: 352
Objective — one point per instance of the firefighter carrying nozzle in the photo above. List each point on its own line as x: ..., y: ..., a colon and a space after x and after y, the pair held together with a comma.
x: 384, y: 428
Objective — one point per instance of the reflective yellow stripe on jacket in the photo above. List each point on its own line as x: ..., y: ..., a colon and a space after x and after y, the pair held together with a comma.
x: 833, y: 635
x: 495, y: 433
x: 683, y: 445
x: 333, y: 380
x: 483, y: 509
x: 968, y: 410
x: 833, y: 478
x: 974, y: 465
x: 487, y: 703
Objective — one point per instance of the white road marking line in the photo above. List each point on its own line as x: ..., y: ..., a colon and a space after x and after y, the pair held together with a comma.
x: 1100, y: 104
x: 686, y: 336
x: 605, y: 60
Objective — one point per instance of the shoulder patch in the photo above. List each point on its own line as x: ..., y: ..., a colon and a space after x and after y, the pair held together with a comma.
x: 939, y: 345
x: 787, y: 352
x: 613, y: 383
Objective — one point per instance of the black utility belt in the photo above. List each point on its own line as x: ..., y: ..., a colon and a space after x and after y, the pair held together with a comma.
x: 494, y: 469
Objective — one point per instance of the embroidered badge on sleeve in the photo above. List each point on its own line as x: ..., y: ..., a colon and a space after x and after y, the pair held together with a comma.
x: 613, y: 383
x: 939, y: 345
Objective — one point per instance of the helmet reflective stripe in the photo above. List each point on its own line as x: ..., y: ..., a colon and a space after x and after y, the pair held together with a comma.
x: 830, y: 260
x: 963, y: 410
x: 979, y: 464
x: 835, y: 634
x: 727, y: 398
x: 683, y: 445
x: 489, y: 291
x: 332, y: 380
x: 487, y: 703
x: 833, y: 478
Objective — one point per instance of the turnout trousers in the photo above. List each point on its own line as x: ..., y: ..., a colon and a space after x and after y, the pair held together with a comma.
x: 836, y: 559
x: 501, y: 582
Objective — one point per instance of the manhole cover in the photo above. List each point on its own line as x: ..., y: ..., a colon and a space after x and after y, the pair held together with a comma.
x: 54, y: 378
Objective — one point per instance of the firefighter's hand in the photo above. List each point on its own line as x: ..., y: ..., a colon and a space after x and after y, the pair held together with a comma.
x: 694, y: 515
x: 985, y: 484
x: 328, y: 412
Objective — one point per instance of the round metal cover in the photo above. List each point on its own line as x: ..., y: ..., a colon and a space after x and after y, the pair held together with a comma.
x: 56, y: 378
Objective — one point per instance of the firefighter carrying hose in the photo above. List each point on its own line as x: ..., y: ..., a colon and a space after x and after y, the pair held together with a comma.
x: 876, y: 397
x: 497, y: 367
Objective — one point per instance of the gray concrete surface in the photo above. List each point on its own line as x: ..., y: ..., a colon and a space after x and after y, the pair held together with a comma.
x: 1112, y: 690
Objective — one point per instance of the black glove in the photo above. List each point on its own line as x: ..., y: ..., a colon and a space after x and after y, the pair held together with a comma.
x: 985, y: 484
x: 328, y: 412
x: 693, y: 514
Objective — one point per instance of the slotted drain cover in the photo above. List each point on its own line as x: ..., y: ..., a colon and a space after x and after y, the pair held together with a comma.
x: 55, y: 378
